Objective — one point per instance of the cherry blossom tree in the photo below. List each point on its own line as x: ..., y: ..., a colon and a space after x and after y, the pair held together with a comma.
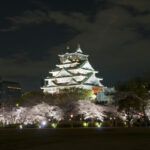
x: 31, y: 115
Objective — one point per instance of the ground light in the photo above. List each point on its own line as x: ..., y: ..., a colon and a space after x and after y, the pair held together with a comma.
x: 97, y: 124
x: 17, y: 105
x: 43, y: 123
x: 85, y: 124
x: 124, y: 123
x: 20, y: 126
x: 54, y: 125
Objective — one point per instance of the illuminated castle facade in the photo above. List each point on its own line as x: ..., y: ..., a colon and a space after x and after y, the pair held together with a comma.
x: 74, y: 71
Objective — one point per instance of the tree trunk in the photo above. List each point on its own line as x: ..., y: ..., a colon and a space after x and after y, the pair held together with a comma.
x: 146, y: 120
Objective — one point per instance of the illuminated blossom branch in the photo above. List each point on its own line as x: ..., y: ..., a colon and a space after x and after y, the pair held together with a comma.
x: 89, y: 110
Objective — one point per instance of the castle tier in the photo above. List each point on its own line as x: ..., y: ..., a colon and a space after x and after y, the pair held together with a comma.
x: 74, y: 71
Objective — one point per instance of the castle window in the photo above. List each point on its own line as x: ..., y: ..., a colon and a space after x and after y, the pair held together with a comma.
x: 46, y: 82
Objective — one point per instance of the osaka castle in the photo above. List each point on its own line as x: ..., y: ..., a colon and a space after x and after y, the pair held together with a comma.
x: 74, y: 71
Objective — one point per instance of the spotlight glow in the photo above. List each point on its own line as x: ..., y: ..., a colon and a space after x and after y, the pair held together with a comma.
x: 85, y: 124
x: 54, y: 125
x: 44, y: 123
x: 20, y: 126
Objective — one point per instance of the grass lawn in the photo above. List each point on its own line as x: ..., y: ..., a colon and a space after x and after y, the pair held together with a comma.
x: 75, y: 139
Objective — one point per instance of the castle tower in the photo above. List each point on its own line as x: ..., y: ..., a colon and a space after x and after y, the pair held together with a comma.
x: 74, y: 71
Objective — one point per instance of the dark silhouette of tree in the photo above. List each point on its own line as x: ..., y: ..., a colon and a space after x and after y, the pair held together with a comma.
x: 132, y: 96
x: 131, y: 106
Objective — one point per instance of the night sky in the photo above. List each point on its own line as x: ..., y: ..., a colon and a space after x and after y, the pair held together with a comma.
x: 115, y: 33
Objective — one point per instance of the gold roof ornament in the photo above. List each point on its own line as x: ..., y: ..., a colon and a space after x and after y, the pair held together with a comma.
x: 79, y: 49
x: 78, y: 45
x: 67, y: 47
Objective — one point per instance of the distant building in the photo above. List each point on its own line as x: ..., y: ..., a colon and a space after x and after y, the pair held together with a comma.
x: 9, y: 90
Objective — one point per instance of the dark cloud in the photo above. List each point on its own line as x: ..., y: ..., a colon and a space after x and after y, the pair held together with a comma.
x: 76, y: 20
x: 12, y: 28
x: 140, y: 5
